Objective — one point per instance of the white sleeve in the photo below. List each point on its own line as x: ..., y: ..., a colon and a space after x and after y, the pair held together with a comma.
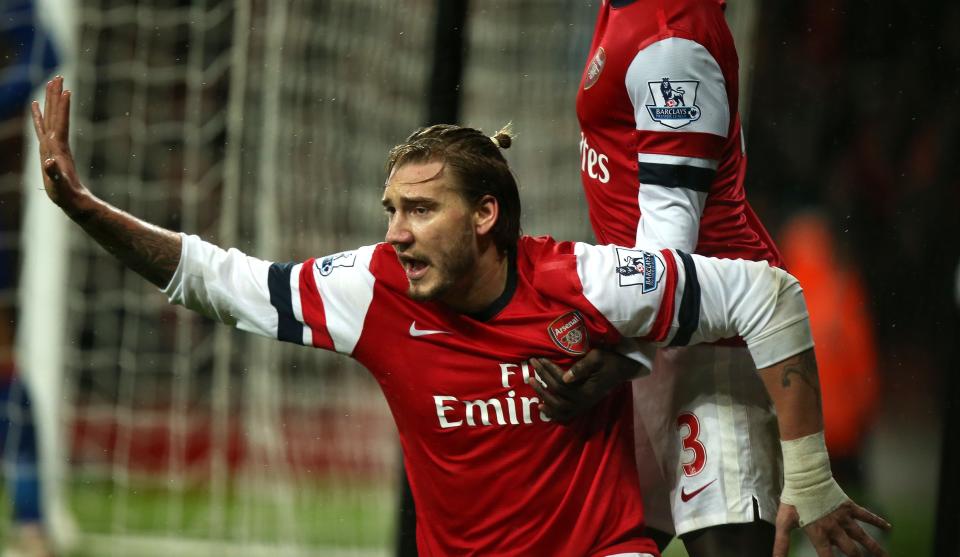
x: 321, y: 302
x: 760, y: 303
x: 634, y: 289
x: 673, y: 298
x: 675, y: 85
x: 669, y: 217
x: 224, y: 285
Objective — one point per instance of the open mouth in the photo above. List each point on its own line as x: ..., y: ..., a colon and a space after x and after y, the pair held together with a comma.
x: 415, y: 268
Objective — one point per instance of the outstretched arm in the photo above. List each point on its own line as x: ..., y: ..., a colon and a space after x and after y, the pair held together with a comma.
x: 151, y: 251
x: 251, y: 294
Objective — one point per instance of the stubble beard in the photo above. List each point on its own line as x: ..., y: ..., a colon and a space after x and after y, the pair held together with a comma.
x: 450, y: 268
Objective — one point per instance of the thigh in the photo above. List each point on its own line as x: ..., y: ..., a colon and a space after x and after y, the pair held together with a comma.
x: 712, y: 434
x: 753, y: 539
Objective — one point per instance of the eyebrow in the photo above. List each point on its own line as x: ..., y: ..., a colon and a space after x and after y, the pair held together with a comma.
x: 410, y: 201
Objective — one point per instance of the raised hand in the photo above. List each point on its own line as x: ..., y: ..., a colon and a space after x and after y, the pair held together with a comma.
x: 56, y: 161
x: 149, y: 250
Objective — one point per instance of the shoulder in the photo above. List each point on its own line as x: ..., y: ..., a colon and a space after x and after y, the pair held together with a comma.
x: 356, y: 267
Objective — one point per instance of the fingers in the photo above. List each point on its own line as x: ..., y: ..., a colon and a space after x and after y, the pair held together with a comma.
x: 846, y: 544
x: 37, y: 119
x: 550, y: 373
x: 781, y: 543
x: 551, y: 390
x: 65, y: 116
x: 56, y: 108
x: 855, y: 531
x: 787, y: 520
x: 864, y: 515
x: 48, y: 100
x: 52, y: 169
x: 864, y: 539
x: 55, y: 102
x: 840, y: 529
x: 584, y: 366
x: 822, y: 547
x: 549, y: 403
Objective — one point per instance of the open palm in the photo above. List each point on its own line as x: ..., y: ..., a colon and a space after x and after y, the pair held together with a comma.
x: 53, y: 129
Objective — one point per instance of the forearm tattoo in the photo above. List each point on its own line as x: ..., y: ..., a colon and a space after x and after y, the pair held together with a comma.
x: 151, y: 251
x: 803, y: 369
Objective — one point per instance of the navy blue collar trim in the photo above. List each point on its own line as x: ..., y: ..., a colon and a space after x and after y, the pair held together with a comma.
x: 495, y: 307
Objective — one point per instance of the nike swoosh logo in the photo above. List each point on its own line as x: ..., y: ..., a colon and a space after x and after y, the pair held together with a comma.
x: 684, y: 496
x: 415, y: 332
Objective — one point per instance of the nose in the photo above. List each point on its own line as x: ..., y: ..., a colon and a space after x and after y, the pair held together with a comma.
x: 398, y: 231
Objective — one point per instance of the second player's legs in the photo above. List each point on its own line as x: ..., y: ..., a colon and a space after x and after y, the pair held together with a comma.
x: 731, y: 540
x: 705, y: 420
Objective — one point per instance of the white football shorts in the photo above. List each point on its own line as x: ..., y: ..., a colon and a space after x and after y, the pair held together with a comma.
x: 707, y: 442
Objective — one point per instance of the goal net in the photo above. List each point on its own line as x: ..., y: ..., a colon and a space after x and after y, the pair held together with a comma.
x: 255, y: 124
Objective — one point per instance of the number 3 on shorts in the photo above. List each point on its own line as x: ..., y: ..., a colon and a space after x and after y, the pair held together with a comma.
x: 691, y: 445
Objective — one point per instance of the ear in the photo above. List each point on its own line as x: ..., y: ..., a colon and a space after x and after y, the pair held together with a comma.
x: 485, y: 214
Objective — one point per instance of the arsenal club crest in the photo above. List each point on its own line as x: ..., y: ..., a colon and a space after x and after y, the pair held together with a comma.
x: 675, y: 102
x: 594, y: 68
x: 569, y: 332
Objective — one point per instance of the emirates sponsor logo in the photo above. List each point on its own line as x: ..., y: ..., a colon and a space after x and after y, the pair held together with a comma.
x: 569, y: 332
x: 508, y: 407
x: 593, y: 163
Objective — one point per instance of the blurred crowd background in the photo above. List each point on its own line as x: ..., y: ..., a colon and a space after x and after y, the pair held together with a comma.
x: 854, y: 116
x: 265, y: 125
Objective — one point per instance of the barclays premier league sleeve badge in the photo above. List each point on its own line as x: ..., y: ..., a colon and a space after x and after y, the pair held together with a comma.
x: 675, y: 102
x: 331, y: 262
x: 641, y: 268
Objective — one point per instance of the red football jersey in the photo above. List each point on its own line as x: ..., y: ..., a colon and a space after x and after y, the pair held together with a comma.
x: 662, y: 159
x: 490, y: 474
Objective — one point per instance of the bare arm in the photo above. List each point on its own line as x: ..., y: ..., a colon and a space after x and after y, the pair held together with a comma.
x: 151, y: 251
x: 794, y: 388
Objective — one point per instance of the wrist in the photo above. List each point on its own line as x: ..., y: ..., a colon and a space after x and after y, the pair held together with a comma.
x: 80, y: 205
x: 808, y: 482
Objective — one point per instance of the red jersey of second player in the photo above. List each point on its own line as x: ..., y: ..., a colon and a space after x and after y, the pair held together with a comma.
x: 658, y: 110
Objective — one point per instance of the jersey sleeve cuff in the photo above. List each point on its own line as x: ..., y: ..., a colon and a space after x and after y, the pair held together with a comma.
x: 174, y: 289
x: 640, y: 352
x: 788, y: 332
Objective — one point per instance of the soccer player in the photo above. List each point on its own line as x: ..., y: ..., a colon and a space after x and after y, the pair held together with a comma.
x: 446, y: 314
x: 662, y: 165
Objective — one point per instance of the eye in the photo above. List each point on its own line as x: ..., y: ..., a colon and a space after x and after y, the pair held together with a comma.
x: 420, y: 211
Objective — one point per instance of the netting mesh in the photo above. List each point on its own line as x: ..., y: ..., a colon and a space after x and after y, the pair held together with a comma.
x: 524, y: 65
x: 261, y: 125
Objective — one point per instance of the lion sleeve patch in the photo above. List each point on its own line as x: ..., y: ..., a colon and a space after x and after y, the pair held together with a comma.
x: 676, y: 84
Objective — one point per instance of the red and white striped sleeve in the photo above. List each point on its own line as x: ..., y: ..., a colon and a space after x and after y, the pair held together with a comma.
x: 320, y: 302
x: 682, y: 116
x: 669, y: 297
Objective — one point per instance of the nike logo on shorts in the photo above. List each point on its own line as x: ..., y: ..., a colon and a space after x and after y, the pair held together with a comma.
x: 685, y: 497
x: 415, y: 332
